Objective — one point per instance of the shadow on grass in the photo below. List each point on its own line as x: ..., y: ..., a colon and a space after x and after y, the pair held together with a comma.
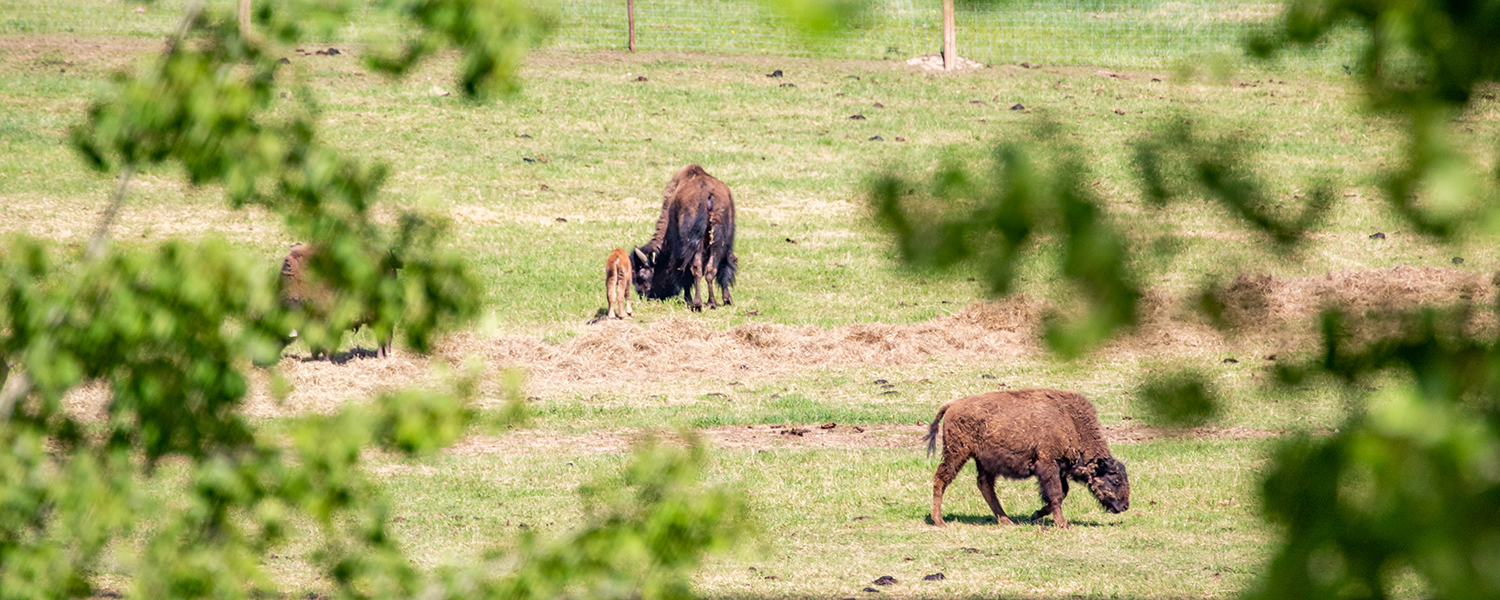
x: 339, y: 358
x: 871, y: 593
x: 1016, y: 521
x: 599, y: 315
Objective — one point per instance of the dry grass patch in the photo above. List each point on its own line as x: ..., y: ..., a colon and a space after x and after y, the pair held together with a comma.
x: 1284, y: 308
x: 625, y: 356
x: 683, y: 358
x: 71, y: 221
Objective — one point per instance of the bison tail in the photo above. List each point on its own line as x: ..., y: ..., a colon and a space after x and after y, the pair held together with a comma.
x: 690, y: 248
x: 726, y: 271
x: 932, y: 431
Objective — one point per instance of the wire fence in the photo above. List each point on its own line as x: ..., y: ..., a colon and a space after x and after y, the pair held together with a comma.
x: 1112, y: 33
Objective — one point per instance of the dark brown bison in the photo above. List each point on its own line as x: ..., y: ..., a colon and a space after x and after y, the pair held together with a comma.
x: 693, y: 242
x: 316, y: 299
x: 617, y: 283
x: 1052, y: 435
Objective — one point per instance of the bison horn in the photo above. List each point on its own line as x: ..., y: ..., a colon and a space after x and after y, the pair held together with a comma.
x: 642, y: 255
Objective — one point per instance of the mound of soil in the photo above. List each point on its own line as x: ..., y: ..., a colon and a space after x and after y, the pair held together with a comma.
x: 622, y: 352
x: 934, y: 62
x: 1284, y: 311
x: 1262, y: 301
x: 1274, y: 316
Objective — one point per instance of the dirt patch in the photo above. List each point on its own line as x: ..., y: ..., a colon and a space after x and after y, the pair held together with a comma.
x: 70, y: 221
x: 102, y: 53
x: 322, y: 386
x: 671, y: 349
x: 1264, y: 300
x: 934, y: 62
x: 810, y: 435
x: 678, y: 356
x: 1285, y: 309
x: 1274, y: 315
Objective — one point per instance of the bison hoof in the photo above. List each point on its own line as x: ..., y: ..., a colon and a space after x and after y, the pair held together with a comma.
x: 1004, y: 521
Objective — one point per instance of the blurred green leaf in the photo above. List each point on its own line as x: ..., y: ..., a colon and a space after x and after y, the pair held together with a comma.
x: 168, y: 329
x: 1181, y: 399
x: 821, y: 18
x: 492, y: 37
x: 993, y: 217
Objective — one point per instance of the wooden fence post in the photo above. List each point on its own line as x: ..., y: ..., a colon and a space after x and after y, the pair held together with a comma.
x: 950, y: 38
x: 630, y: 12
x: 244, y: 14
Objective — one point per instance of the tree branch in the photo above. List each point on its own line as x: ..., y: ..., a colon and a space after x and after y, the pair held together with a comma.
x: 106, y: 222
x: 17, y: 387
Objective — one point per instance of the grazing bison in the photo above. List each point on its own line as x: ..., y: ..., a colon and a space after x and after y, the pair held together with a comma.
x: 694, y: 241
x: 298, y: 293
x: 617, y: 283
x: 1052, y: 435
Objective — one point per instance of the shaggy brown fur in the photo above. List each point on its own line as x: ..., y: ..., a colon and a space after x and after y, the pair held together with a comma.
x: 617, y: 283
x: 1052, y: 435
x: 297, y: 292
x: 693, y: 241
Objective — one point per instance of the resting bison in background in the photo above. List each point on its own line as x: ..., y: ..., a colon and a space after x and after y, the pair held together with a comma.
x: 694, y: 241
x: 317, y: 299
x: 1050, y: 434
x: 617, y: 283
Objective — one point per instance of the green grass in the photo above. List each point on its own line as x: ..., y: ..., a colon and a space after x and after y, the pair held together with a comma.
x: 835, y: 520
x: 797, y: 165
x: 1152, y: 33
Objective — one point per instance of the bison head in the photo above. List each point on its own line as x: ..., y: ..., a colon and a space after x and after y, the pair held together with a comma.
x: 642, y: 269
x: 1108, y: 483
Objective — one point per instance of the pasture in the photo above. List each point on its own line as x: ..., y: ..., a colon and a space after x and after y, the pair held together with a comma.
x: 827, y: 327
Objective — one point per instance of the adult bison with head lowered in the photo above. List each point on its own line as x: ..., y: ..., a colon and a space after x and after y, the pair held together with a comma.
x: 694, y: 241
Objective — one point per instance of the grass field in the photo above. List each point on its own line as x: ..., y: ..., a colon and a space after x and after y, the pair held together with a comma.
x: 826, y: 326
x: 1141, y: 33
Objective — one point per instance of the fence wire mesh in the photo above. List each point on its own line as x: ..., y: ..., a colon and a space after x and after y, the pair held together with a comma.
x: 1113, y: 33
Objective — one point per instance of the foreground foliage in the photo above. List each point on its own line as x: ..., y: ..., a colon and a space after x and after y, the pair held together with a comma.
x: 170, y: 330
x: 1411, y: 481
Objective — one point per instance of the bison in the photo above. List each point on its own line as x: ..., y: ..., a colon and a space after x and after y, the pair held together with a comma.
x: 694, y: 241
x: 299, y: 293
x: 617, y: 283
x: 1052, y: 435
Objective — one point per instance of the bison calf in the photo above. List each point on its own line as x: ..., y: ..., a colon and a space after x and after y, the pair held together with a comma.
x: 617, y: 283
x: 1052, y: 435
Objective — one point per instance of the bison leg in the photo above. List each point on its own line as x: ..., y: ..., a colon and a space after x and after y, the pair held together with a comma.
x: 709, y: 275
x: 987, y: 489
x: 609, y: 296
x: 695, y: 294
x: 1054, y: 488
x: 615, y: 293
x: 940, y: 480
